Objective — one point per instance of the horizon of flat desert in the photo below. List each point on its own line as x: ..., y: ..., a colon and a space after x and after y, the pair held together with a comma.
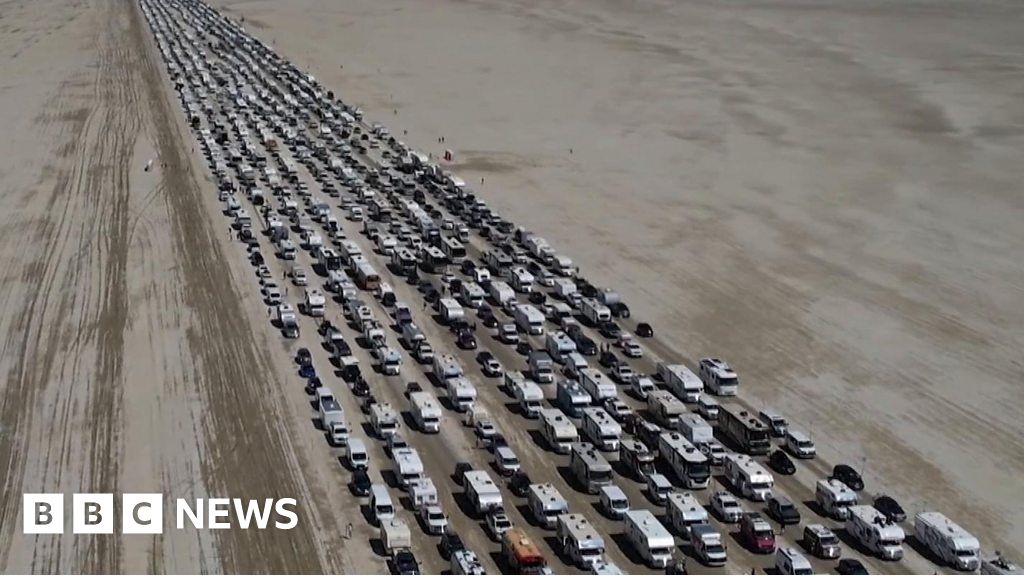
x: 825, y: 195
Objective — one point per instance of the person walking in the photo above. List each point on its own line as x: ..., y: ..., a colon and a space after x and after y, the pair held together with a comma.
x: 348, y: 531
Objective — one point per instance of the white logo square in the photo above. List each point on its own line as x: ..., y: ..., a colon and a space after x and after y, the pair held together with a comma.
x: 142, y: 513
x: 92, y: 514
x: 43, y: 514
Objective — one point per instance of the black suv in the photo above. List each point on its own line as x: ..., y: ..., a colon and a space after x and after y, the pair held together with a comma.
x: 783, y: 510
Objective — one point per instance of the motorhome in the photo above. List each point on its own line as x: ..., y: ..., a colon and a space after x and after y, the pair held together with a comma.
x: 719, y: 377
x: 384, y: 419
x: 482, y: 492
x: 559, y: 345
x: 472, y: 294
x: 461, y: 393
x: 601, y: 429
x: 580, y: 541
x: 949, y: 542
x: 686, y: 385
x: 685, y: 460
x: 665, y: 407
x: 411, y: 336
x: 706, y: 543
x: 559, y: 432
x: 637, y: 458
x: 450, y: 309
x: 707, y: 407
x: 453, y: 249
x: 684, y: 511
x: 529, y: 319
x: 595, y: 312
x: 571, y: 397
x: 875, y: 532
x: 564, y: 288
x: 388, y: 359
x: 651, y: 540
x: 695, y: 429
x: 446, y: 367
x: 522, y: 554
x: 366, y: 276
x: 422, y: 492
x: 521, y: 279
x: 598, y: 385
x: 426, y: 412
x: 745, y: 429
x: 314, y: 302
x: 528, y: 395
x: 408, y: 466
x: 834, y: 498
x: 541, y: 367
x: 500, y: 292
x: 589, y: 467
x: 748, y: 477
x: 546, y: 504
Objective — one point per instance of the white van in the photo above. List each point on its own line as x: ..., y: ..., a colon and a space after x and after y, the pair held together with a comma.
x: 789, y: 560
x: 358, y: 457
x: 800, y: 444
x: 381, y: 506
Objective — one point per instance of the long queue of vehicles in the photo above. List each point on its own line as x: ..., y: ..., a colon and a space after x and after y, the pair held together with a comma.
x: 684, y: 448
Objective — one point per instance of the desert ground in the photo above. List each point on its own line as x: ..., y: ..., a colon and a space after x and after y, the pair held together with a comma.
x: 825, y: 194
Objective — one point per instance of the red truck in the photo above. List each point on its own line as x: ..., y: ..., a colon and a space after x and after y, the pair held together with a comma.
x: 757, y: 534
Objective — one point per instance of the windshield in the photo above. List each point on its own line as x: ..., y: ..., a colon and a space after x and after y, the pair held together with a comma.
x: 592, y: 552
x: 760, y: 485
x: 729, y: 381
x: 660, y: 551
x: 714, y: 549
x: 435, y: 516
x: 698, y: 471
x: 828, y: 540
x: 966, y: 553
x: 385, y: 509
x: 890, y: 542
x: 601, y: 475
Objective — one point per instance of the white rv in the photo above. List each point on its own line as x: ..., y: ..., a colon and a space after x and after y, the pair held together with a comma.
x: 580, y: 541
x: 384, y: 419
x: 686, y: 385
x: 683, y: 510
x: 461, y: 393
x: 835, y: 498
x: 589, y: 467
x: 948, y: 541
x: 529, y: 319
x: 559, y: 432
x: 481, y: 491
x: 559, y: 345
x: 546, y: 503
x: 598, y: 385
x: 749, y: 477
x: 408, y: 466
x: 665, y: 407
x: 446, y: 367
x: 426, y: 412
x: 501, y: 292
x: 875, y: 532
x: 601, y: 429
x: 719, y: 377
x: 651, y: 540
x: 594, y: 311
x: 527, y: 393
x: 686, y: 461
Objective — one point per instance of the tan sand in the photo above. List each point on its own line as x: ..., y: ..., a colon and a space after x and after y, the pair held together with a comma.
x: 826, y: 195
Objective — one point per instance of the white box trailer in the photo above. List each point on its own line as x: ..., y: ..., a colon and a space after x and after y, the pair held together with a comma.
x: 686, y: 385
x: 426, y: 412
x: 695, y: 429
x: 580, y: 541
x: 948, y: 541
x: 598, y: 385
x: 651, y: 540
x: 395, y: 535
x: 482, y: 492
x: 546, y: 504
x: 564, y: 288
x: 683, y: 511
x: 601, y: 429
x: 749, y: 477
x: 501, y: 292
x: 875, y: 532
x: 332, y: 417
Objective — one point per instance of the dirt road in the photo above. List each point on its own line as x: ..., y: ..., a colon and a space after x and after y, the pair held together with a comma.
x: 131, y: 362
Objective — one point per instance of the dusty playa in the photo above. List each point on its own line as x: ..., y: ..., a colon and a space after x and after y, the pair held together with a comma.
x: 827, y: 195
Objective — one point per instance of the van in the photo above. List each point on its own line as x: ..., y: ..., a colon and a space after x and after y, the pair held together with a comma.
x: 614, y: 501
x: 821, y: 542
x: 800, y: 444
x: 356, y: 454
x: 789, y: 560
x: 381, y: 506
x: 658, y: 488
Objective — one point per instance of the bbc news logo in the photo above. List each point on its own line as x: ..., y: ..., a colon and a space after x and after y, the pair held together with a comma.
x: 144, y: 513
